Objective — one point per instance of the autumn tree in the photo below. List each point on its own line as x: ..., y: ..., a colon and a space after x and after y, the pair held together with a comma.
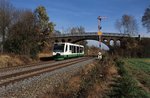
x: 146, y: 19
x: 127, y: 24
x: 45, y: 27
x: 6, y: 19
x: 23, y: 38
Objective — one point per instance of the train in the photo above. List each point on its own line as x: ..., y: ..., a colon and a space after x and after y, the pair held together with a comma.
x: 65, y: 50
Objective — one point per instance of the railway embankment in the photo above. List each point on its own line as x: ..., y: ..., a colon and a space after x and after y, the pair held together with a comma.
x: 92, y: 82
x: 13, y: 60
x: 109, y: 78
x: 37, y: 86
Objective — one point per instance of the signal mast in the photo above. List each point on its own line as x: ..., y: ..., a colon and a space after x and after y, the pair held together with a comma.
x: 99, y: 28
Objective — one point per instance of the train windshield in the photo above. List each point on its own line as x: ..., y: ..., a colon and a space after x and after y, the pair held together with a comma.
x: 58, y: 48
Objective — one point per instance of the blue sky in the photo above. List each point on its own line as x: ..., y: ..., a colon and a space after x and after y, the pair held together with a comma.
x: 70, y: 13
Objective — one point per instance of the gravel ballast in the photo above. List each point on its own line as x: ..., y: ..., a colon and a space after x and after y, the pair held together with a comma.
x: 38, y: 85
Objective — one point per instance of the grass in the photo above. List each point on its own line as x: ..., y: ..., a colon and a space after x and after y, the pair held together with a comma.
x: 139, y: 64
x: 130, y: 78
x: 13, y: 60
x: 129, y: 84
x: 140, y: 70
x: 92, y: 82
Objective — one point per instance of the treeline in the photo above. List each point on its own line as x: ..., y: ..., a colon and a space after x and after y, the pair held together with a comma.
x: 23, y: 31
x: 132, y: 48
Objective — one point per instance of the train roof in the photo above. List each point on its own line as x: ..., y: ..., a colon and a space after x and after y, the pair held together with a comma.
x: 69, y: 43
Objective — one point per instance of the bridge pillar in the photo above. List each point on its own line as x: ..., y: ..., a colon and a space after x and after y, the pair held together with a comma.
x: 115, y: 43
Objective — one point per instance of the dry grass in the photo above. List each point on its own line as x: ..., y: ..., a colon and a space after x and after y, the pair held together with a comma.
x: 40, y: 55
x: 88, y: 69
x: 112, y: 70
x: 13, y: 60
x: 80, y: 85
x: 98, y: 90
x: 148, y: 60
x: 74, y: 83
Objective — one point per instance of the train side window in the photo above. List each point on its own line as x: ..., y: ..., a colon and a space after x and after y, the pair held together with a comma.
x: 69, y: 47
x: 78, y: 49
x: 74, y: 49
x: 66, y: 48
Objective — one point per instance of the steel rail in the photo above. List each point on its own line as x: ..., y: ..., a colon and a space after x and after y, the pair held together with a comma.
x: 26, y: 74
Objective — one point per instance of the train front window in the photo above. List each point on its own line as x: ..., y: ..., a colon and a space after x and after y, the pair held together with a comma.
x: 58, y: 48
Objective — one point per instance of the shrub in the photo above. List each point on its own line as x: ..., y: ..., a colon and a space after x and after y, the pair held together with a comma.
x: 126, y: 86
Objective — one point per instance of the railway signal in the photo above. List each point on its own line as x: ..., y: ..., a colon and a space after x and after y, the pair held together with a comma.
x: 99, y: 28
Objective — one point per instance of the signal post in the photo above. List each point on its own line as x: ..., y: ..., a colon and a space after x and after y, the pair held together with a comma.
x: 99, y: 28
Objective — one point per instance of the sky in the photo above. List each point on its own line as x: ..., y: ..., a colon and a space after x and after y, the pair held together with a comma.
x: 71, y: 13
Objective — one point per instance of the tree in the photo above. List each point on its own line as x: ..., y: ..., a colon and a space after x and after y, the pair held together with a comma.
x: 23, y: 38
x: 77, y: 30
x: 44, y: 25
x: 118, y: 25
x: 6, y: 18
x: 146, y: 19
x: 127, y: 24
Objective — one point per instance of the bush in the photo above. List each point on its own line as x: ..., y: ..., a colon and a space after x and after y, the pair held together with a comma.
x: 126, y: 86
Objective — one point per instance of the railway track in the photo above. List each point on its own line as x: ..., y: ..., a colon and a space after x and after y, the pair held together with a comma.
x: 8, y: 78
x: 20, y: 67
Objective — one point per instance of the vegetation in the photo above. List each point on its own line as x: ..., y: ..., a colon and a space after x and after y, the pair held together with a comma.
x: 140, y: 69
x: 6, y: 12
x: 131, y: 47
x: 13, y: 60
x: 91, y: 82
x: 23, y: 31
x: 127, y: 25
x: 128, y: 79
x: 44, y: 27
x: 145, y: 47
x: 22, y: 38
x: 89, y: 50
x: 146, y: 19
x: 127, y: 86
x: 79, y: 30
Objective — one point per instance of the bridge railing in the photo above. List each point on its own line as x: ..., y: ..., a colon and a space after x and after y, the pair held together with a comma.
x: 90, y: 34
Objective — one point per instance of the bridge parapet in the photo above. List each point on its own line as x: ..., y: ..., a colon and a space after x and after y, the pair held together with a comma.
x: 91, y: 34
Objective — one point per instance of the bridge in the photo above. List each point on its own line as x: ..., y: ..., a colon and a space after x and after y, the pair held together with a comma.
x: 105, y: 38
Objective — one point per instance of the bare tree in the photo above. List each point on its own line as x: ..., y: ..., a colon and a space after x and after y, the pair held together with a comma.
x: 6, y: 17
x: 79, y: 30
x: 146, y: 19
x: 23, y: 38
x: 118, y: 26
x: 127, y: 24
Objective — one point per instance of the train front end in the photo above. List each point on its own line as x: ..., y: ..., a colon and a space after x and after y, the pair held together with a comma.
x: 58, y: 51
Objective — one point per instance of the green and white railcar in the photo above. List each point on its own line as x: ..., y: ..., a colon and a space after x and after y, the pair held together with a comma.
x: 65, y: 50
